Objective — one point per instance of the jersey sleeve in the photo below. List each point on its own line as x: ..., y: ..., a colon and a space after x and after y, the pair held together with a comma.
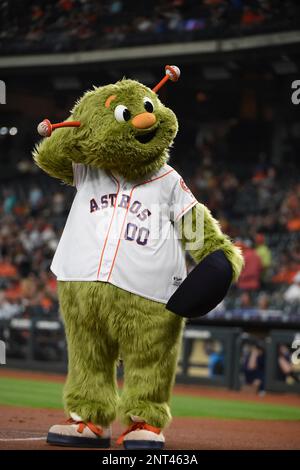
x: 182, y: 200
x: 79, y: 173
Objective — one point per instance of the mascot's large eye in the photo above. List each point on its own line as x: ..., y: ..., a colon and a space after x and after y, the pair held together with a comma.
x: 122, y: 113
x: 148, y: 105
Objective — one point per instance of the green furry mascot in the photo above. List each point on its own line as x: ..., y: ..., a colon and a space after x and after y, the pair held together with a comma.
x: 121, y: 261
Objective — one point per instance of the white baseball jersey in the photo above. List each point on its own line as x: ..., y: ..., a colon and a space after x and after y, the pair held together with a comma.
x: 125, y: 233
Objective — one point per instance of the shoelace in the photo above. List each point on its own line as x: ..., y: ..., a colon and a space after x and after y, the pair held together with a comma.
x: 136, y: 427
x: 81, y: 426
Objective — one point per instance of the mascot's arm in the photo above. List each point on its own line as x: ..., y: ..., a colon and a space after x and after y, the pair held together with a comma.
x: 54, y: 154
x: 219, y: 263
x: 209, y: 239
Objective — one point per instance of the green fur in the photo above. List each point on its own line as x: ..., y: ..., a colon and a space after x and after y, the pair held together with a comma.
x: 211, y: 238
x: 104, y: 323
x: 101, y: 141
x: 54, y: 154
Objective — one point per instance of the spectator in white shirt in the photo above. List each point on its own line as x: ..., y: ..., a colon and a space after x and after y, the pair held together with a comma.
x: 292, y: 294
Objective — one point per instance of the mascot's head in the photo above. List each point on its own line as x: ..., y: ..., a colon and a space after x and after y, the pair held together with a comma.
x: 122, y: 127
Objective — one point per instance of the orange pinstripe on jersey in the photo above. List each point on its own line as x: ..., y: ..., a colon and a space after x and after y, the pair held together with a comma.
x: 106, y: 238
x: 128, y: 204
x: 184, y: 210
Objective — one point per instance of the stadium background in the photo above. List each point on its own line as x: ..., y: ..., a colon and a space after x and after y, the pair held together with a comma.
x: 237, y: 148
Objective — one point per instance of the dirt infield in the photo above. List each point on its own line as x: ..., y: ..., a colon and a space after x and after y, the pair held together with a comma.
x: 26, y: 428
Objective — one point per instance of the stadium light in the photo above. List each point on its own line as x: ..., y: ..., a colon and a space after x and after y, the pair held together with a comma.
x: 13, y: 131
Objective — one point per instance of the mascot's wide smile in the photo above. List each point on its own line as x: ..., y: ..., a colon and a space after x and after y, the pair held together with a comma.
x: 146, y: 137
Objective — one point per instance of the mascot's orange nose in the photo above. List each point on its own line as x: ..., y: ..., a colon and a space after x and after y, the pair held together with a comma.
x: 143, y: 120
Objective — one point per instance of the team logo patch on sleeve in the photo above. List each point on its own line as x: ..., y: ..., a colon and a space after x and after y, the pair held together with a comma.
x: 184, y: 186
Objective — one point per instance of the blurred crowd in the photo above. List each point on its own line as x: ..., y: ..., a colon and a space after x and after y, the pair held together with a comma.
x: 258, y: 206
x: 32, y: 217
x: 256, y: 198
x: 29, y: 232
x: 254, y: 365
x: 63, y: 25
x: 238, y: 155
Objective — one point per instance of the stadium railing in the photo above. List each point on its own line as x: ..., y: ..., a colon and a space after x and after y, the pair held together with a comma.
x: 210, y: 355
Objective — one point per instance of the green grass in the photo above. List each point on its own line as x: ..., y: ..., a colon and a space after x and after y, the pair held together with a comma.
x: 231, y: 409
x: 38, y: 394
x: 33, y: 393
